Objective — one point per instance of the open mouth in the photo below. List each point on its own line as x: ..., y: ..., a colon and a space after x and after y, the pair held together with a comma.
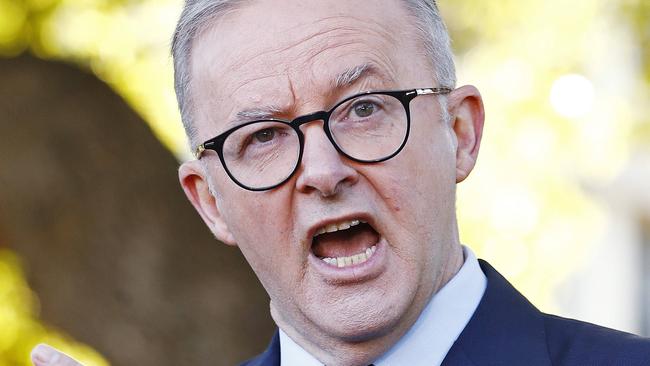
x: 345, y: 243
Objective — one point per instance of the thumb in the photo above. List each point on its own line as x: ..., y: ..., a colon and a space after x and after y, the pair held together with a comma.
x: 44, y: 355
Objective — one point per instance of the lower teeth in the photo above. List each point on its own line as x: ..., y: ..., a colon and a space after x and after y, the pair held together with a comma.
x: 351, y: 260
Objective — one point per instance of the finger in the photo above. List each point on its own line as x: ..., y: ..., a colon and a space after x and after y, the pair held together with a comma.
x: 44, y: 355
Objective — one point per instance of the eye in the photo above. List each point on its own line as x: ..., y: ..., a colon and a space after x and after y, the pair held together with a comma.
x: 264, y: 135
x: 364, y: 109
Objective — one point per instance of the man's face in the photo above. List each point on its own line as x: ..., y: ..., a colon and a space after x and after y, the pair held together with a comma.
x: 286, y: 56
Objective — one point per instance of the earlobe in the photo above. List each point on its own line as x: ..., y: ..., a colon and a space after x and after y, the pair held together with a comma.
x: 468, y: 116
x: 194, y: 181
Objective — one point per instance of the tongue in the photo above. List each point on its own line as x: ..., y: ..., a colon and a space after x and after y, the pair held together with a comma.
x: 345, y: 243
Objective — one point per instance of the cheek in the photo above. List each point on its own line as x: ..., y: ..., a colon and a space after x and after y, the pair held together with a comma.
x: 434, y: 158
x: 418, y: 188
x: 427, y: 167
x: 258, y: 219
x: 249, y: 213
x: 262, y: 239
x: 430, y: 133
x: 260, y: 222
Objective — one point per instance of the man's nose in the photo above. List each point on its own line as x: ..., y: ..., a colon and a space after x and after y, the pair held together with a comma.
x: 322, y: 168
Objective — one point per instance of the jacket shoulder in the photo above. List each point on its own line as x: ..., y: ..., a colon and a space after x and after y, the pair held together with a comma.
x: 270, y: 357
x: 263, y: 359
x: 573, y: 342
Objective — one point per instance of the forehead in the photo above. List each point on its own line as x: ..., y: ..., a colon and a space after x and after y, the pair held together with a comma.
x: 291, y: 52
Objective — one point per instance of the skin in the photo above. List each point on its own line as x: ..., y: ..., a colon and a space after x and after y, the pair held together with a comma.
x: 243, y: 60
x: 44, y: 355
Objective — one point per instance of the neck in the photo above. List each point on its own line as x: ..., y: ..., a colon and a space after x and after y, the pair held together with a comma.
x: 334, y: 351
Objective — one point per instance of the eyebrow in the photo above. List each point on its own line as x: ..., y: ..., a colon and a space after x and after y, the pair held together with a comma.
x: 259, y: 112
x: 344, y: 79
x: 353, y: 74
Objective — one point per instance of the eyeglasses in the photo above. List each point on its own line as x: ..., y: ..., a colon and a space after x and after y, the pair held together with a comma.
x: 369, y: 127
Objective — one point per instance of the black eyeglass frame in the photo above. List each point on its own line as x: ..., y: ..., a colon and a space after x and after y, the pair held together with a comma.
x: 404, y: 96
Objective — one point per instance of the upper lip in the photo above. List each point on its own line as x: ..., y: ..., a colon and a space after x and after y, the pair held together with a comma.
x: 365, y: 217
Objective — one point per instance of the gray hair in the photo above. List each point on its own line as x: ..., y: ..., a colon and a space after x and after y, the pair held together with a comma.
x: 197, y: 14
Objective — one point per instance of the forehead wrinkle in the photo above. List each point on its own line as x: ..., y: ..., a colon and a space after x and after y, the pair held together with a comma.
x: 216, y: 100
x: 380, y: 30
x: 246, y: 81
x: 332, y: 34
x: 244, y: 59
x: 344, y: 36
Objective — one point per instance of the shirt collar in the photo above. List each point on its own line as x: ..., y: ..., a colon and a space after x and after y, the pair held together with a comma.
x: 433, y: 334
x: 292, y: 354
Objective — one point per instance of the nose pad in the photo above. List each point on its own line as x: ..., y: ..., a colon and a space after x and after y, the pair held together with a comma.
x: 322, y: 168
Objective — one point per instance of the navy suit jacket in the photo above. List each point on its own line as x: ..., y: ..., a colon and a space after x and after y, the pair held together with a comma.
x: 506, y: 330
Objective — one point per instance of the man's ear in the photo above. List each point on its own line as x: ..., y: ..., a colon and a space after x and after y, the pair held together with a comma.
x: 468, y: 115
x: 194, y: 180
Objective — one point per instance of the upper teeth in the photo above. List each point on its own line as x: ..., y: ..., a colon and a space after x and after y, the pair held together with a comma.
x: 339, y: 226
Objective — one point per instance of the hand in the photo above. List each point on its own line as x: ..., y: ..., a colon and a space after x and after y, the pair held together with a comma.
x: 44, y: 355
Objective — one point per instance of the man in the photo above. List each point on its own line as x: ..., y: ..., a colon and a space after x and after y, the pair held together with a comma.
x: 329, y: 138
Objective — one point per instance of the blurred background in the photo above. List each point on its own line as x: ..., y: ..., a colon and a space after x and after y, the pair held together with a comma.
x: 101, y: 255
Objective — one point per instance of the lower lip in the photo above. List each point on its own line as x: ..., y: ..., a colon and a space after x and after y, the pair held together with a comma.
x: 361, y: 272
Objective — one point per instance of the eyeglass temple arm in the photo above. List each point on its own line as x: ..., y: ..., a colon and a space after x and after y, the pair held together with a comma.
x: 199, y: 151
x: 426, y: 91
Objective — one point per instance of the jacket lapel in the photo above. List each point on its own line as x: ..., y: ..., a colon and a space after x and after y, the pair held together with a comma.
x: 506, y: 329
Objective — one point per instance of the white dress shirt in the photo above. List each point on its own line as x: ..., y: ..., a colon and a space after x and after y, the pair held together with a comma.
x: 433, y: 334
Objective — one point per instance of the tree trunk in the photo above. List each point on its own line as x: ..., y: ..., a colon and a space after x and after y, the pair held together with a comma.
x: 120, y: 261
